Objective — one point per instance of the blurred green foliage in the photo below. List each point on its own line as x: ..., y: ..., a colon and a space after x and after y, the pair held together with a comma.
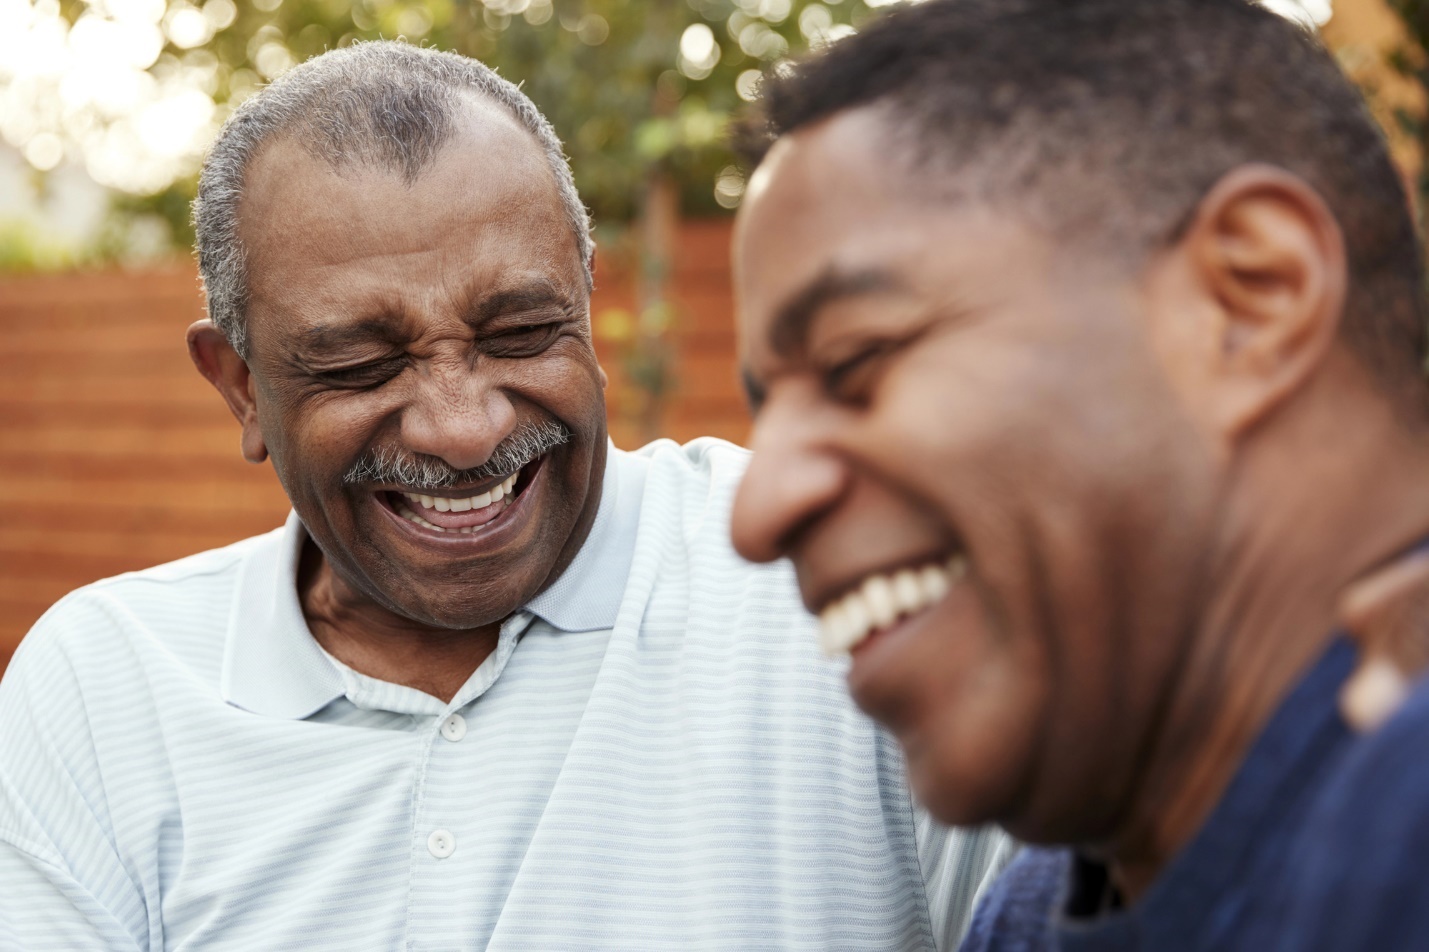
x: 1411, y: 59
x: 610, y: 74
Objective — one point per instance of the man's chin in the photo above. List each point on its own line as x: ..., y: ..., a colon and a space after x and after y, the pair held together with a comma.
x: 964, y: 788
x: 457, y: 606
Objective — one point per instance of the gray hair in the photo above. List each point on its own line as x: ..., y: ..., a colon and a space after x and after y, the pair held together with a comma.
x: 527, y: 442
x: 385, y: 103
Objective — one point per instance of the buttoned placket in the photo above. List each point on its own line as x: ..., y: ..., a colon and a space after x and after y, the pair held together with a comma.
x: 439, y: 826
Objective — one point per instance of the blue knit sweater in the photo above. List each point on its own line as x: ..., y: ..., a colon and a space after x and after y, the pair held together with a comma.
x: 1321, y: 842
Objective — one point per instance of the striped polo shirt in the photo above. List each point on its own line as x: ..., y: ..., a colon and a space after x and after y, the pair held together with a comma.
x: 654, y: 757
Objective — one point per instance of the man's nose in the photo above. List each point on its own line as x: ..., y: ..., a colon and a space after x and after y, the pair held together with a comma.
x: 790, y: 483
x: 458, y: 416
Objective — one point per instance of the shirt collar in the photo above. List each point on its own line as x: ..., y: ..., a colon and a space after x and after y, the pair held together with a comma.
x: 271, y: 663
x: 588, y: 593
x: 273, y: 666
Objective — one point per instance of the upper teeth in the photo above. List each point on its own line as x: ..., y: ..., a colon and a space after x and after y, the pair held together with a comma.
x: 445, y: 504
x: 883, y: 599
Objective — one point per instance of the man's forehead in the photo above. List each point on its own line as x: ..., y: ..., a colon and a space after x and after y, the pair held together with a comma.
x: 813, y: 217
x: 482, y: 135
x: 485, y: 216
x: 489, y: 166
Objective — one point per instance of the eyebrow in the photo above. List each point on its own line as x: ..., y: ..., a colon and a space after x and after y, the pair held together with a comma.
x: 334, y: 336
x: 529, y: 298
x: 789, y: 331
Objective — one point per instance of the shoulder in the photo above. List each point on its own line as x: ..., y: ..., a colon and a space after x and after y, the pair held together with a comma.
x: 1017, y: 913
x: 1381, y: 787
x: 687, y: 494
x: 1360, y: 863
x: 706, y: 465
x: 184, y: 595
x: 109, y: 641
x: 82, y: 699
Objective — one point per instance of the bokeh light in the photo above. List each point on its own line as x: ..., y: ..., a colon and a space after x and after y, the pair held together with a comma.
x: 132, y: 91
x: 92, y: 86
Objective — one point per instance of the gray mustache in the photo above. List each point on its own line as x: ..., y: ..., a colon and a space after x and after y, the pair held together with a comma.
x: 419, y: 471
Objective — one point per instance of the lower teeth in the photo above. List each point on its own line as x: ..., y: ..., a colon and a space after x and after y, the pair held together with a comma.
x: 411, y: 516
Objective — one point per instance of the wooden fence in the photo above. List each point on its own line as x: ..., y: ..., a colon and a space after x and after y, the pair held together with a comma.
x: 116, y: 455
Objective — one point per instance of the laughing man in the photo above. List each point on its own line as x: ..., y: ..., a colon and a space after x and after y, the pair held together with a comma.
x: 495, y: 684
x: 1107, y: 317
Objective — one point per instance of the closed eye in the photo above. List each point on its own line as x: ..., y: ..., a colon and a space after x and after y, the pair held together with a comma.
x: 524, y: 341
x: 362, y: 376
x: 852, y: 380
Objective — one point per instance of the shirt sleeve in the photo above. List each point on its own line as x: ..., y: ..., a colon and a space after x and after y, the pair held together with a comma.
x: 64, y: 884
x: 46, y: 909
x: 959, y: 865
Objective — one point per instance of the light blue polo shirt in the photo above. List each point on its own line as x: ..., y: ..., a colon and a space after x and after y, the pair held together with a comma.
x: 654, y: 757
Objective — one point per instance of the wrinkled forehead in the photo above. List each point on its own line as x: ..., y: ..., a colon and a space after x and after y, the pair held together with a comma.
x: 486, y: 158
x: 488, y: 197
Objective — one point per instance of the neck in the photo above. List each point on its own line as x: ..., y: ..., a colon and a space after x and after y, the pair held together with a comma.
x: 382, y: 644
x: 1310, y: 523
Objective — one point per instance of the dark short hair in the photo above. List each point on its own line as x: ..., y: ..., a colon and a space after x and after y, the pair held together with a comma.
x: 1109, y: 120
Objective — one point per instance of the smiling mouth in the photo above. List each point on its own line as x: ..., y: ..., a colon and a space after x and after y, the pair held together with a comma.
x: 460, y: 512
x: 884, y: 599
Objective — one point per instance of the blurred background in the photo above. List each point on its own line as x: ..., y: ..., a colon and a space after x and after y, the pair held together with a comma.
x: 115, y: 455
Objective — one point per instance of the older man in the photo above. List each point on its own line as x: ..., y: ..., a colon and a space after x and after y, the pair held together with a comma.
x: 1087, y: 344
x: 495, y: 684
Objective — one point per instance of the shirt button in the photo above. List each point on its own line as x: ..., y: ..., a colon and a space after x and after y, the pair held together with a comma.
x: 441, y: 844
x: 454, y: 728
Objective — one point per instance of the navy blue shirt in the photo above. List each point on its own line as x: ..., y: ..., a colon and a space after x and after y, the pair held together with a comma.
x: 1321, y: 842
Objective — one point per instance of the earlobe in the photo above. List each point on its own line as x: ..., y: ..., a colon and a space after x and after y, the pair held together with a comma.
x: 1271, y: 257
x: 221, y: 366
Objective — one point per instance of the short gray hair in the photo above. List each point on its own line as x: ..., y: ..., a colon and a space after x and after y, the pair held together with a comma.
x: 385, y: 103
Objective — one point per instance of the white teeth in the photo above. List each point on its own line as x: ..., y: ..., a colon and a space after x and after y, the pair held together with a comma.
x: 411, y: 516
x: 445, y: 504
x: 935, y: 581
x: 907, y: 593
x: 883, y: 599
x: 878, y: 595
x: 857, y: 621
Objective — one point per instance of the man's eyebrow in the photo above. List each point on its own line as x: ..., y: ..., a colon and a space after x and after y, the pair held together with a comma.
x: 531, y: 297
x: 789, y: 331
x: 334, y: 336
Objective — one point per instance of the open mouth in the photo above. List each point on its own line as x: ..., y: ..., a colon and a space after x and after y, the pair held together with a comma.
x: 460, y: 511
x: 884, y: 599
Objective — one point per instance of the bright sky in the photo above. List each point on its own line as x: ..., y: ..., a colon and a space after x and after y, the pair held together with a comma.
x: 99, y: 92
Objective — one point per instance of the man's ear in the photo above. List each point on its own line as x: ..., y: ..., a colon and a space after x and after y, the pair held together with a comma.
x: 221, y: 366
x: 1269, y: 258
